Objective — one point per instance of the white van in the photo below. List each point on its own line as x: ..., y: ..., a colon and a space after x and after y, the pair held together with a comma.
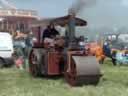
x: 6, y: 49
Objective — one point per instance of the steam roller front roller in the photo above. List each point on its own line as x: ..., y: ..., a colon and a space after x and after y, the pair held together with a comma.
x: 82, y: 70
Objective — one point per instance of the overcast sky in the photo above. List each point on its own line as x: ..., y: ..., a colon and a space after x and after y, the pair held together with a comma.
x: 102, y: 13
x: 110, y: 13
x: 45, y: 8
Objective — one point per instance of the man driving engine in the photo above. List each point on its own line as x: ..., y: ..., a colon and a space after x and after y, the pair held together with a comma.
x: 49, y: 34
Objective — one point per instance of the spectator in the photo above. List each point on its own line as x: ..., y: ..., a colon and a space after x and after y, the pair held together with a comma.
x: 28, y: 42
x: 106, y: 49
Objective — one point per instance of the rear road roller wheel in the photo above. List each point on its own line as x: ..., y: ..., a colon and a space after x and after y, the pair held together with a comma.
x: 33, y: 63
x: 2, y: 63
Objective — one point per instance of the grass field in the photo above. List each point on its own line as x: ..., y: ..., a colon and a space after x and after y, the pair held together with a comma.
x: 18, y: 83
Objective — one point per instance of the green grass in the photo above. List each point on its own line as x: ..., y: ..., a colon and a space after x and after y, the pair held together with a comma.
x: 14, y: 82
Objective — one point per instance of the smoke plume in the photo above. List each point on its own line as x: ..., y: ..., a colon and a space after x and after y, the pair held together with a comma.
x: 78, y: 5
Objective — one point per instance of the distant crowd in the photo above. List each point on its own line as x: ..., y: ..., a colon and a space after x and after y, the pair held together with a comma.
x: 22, y: 43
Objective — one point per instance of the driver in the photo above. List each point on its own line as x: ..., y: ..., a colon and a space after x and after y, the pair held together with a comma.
x: 49, y: 34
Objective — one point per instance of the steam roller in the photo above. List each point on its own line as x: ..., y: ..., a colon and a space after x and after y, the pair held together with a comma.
x: 77, y: 67
x: 70, y: 56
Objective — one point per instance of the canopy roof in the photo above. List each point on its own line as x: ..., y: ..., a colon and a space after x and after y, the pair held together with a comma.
x: 62, y: 21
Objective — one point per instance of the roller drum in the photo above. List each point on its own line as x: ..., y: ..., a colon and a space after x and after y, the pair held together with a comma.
x: 83, y: 70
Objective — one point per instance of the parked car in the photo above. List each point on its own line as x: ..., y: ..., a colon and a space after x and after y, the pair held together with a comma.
x: 6, y: 49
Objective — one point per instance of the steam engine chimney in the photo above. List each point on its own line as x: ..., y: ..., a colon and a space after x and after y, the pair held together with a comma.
x: 71, y: 24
